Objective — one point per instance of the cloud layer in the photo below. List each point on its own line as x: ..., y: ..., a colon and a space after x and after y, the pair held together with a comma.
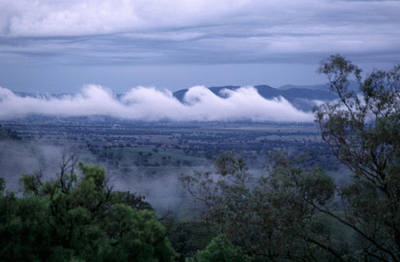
x: 150, y: 104
x: 59, y: 45
x: 199, y: 31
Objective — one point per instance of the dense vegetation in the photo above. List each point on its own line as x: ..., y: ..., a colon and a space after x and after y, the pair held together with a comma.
x: 296, y: 212
x: 79, y: 219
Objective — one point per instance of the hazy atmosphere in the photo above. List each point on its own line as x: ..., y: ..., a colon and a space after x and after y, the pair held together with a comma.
x: 60, y: 46
x: 199, y: 130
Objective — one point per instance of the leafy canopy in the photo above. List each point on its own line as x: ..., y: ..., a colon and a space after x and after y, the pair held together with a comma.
x: 79, y: 219
x: 362, y: 130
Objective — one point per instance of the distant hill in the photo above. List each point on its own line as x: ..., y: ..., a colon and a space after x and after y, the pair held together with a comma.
x: 323, y: 87
x: 4, y: 134
x: 39, y: 95
x: 301, y: 97
x: 353, y: 86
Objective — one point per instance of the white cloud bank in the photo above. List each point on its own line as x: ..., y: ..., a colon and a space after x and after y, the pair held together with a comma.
x: 150, y: 104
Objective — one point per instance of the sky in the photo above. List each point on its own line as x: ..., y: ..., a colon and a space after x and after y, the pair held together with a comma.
x: 61, y: 46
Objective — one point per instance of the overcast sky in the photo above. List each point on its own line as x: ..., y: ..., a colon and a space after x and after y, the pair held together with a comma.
x: 61, y: 45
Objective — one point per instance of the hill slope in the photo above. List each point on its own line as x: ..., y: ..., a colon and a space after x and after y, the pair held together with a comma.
x: 300, y: 97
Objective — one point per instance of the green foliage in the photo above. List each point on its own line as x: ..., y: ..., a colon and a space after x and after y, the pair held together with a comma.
x: 187, y: 237
x: 271, y: 217
x: 228, y: 164
x: 93, y: 175
x: 140, y: 237
x: 2, y: 184
x: 79, y: 219
x: 31, y: 183
x: 220, y: 250
x: 22, y: 231
x: 129, y: 199
x: 362, y: 129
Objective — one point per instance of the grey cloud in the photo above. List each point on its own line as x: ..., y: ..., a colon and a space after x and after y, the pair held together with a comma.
x: 245, y: 31
x: 44, y: 41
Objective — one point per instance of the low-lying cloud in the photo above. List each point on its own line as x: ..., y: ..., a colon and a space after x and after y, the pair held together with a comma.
x: 151, y: 104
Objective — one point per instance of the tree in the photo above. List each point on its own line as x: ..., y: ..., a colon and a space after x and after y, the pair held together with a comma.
x: 2, y: 184
x: 220, y: 249
x: 79, y: 218
x: 296, y: 213
x: 271, y: 217
x: 362, y: 130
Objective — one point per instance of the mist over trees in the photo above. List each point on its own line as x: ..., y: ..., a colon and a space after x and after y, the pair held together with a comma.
x: 296, y: 211
x: 79, y: 219
x: 363, y: 132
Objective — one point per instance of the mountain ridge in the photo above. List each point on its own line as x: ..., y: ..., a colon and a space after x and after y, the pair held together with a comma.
x: 301, y: 97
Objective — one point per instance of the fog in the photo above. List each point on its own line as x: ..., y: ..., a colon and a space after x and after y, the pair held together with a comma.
x: 19, y: 157
x: 163, y: 190
x: 151, y: 104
